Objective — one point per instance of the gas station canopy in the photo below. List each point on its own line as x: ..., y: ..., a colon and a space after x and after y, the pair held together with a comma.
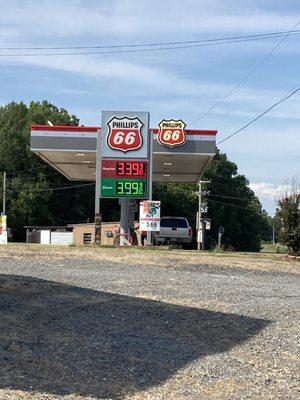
x: 71, y: 150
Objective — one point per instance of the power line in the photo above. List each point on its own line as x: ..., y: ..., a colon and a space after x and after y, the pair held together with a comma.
x: 52, y: 189
x: 236, y: 205
x: 247, y: 75
x: 258, y: 35
x: 143, y: 49
x: 261, y: 115
x: 229, y: 197
x: 93, y: 183
x: 26, y: 170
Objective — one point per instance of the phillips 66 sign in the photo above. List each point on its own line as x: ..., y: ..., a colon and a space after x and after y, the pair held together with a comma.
x: 171, y: 132
x: 125, y: 134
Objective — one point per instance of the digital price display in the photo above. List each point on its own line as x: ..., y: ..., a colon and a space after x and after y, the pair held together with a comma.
x: 124, y: 178
x: 131, y: 168
x: 130, y: 188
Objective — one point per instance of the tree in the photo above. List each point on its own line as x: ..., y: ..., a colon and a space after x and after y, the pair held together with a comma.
x: 29, y: 200
x: 288, y: 218
x: 231, y: 204
x: 15, y: 121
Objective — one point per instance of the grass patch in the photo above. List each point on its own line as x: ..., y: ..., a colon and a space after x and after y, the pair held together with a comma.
x: 274, y: 248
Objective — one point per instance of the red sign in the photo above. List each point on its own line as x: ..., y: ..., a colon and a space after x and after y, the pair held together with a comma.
x: 124, y: 134
x: 124, y: 169
x: 171, y: 132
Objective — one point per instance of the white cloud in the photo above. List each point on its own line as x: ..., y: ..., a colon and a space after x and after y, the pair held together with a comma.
x: 136, y: 18
x: 269, y: 191
x: 119, y: 70
x: 163, y: 80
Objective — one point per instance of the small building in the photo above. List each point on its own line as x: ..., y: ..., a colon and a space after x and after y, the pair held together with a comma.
x: 61, y: 235
x: 85, y: 233
x: 77, y: 234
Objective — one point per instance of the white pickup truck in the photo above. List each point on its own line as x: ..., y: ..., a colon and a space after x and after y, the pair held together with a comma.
x: 174, y: 230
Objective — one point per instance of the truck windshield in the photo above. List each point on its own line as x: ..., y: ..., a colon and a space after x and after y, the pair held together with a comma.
x: 173, y: 223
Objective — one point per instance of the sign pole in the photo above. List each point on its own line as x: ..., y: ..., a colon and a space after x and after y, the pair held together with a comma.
x: 4, y: 194
x: 220, y: 233
x: 124, y: 220
x: 199, y: 215
x: 3, y: 226
x: 149, y: 233
x: 98, y: 219
x: 200, y: 224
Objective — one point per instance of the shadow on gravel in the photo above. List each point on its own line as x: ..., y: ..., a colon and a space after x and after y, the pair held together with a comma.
x: 62, y: 339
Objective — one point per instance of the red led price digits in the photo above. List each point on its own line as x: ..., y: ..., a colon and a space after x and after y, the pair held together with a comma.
x: 126, y: 168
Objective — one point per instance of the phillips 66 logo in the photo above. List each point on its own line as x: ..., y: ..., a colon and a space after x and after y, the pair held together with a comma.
x: 171, y: 132
x: 125, y: 134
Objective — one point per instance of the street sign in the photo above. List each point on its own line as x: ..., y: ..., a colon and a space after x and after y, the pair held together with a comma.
x: 171, y: 132
x: 3, y: 229
x: 3, y: 226
x: 200, y: 236
x: 207, y: 224
x: 150, y: 216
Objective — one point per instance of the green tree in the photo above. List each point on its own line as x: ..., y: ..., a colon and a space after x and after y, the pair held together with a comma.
x: 288, y: 219
x: 29, y: 200
x: 15, y: 121
x: 231, y: 204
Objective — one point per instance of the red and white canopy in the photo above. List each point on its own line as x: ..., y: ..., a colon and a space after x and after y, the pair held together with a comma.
x: 72, y: 151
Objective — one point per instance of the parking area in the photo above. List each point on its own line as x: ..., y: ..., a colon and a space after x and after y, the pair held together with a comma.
x: 147, y: 324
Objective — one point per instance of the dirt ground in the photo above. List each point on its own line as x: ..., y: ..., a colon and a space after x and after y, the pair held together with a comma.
x: 104, y: 323
x: 160, y: 257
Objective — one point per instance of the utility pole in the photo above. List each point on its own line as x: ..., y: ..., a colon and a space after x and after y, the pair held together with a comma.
x: 3, y: 226
x: 200, y: 233
x: 4, y: 194
x: 273, y: 234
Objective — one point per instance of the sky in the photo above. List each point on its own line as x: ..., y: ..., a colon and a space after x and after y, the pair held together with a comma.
x: 182, y: 83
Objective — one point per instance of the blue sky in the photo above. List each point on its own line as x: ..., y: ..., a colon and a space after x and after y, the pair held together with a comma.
x: 177, y: 83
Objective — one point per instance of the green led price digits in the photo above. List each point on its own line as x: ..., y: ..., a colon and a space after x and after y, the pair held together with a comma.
x: 130, y: 188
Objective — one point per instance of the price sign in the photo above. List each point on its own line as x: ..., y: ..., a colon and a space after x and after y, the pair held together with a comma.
x: 123, y: 178
x: 150, y: 216
x: 123, y: 155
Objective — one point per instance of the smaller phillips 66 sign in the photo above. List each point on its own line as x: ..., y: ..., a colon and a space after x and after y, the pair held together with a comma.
x: 150, y: 216
x: 171, y: 132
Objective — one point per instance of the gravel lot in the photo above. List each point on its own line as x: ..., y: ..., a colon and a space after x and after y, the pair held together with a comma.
x: 132, y: 324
